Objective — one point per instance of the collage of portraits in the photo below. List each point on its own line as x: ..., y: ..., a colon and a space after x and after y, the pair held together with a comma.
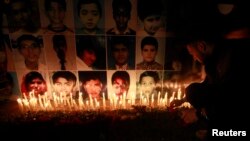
x: 93, y: 47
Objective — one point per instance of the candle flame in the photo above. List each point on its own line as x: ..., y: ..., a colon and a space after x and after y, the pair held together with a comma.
x: 65, y: 102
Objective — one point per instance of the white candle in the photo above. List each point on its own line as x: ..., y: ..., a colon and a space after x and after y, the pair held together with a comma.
x: 24, y: 95
x: 152, y: 100
x: 103, y: 101
x: 179, y: 94
x: 166, y: 98
x: 71, y: 99
x: 111, y: 103
x: 26, y: 103
x: 115, y: 101
x: 95, y: 103
x: 98, y: 104
x: 124, y: 100
x: 54, y: 99
x: 144, y: 101
x: 40, y: 101
x: 91, y: 102
x: 171, y: 98
x: 158, y: 98
x: 141, y: 97
x: 20, y: 104
x: 87, y: 103
x: 133, y: 98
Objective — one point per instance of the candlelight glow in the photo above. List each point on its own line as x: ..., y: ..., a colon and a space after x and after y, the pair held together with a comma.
x: 64, y: 102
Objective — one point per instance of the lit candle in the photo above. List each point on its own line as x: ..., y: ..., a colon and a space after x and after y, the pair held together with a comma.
x: 124, y: 100
x: 152, y: 100
x: 166, y: 98
x: 179, y: 94
x: 144, y: 101
x: 24, y: 95
x: 91, y: 102
x: 158, y: 98
x: 129, y: 102
x: 175, y: 85
x: 26, y: 103
x: 54, y: 99
x: 103, y: 101
x: 115, y: 101
x: 161, y: 102
x: 141, y: 97
x: 31, y: 94
x: 95, y: 103
x: 133, y: 97
x: 98, y: 105
x: 119, y: 104
x: 111, y: 103
x: 32, y: 102
x: 20, y: 104
x: 80, y: 101
x: 71, y: 99
x: 171, y: 98
x: 40, y: 101
x: 87, y: 104
x: 74, y: 105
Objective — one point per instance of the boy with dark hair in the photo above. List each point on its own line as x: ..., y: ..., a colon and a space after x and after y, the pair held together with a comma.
x: 23, y: 16
x: 121, y: 53
x: 93, y: 84
x: 120, y: 81
x: 89, y: 13
x: 55, y: 11
x: 149, y: 48
x: 29, y: 47
x: 91, y: 55
x: 121, y: 15
x: 148, y: 83
x: 64, y: 82
x: 150, y: 13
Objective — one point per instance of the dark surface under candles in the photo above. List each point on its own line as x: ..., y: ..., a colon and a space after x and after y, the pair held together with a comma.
x: 138, y: 124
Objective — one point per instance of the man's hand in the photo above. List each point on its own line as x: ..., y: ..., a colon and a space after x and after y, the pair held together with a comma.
x: 189, y: 115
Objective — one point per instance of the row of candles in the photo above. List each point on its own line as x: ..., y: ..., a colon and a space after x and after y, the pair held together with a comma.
x: 68, y: 103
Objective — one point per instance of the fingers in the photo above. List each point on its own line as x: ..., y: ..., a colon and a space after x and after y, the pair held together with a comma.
x: 189, y: 116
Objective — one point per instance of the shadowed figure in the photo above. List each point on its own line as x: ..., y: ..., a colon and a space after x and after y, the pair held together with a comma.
x: 60, y: 47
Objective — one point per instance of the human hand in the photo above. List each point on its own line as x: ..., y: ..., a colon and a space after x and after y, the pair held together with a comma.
x: 189, y: 115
